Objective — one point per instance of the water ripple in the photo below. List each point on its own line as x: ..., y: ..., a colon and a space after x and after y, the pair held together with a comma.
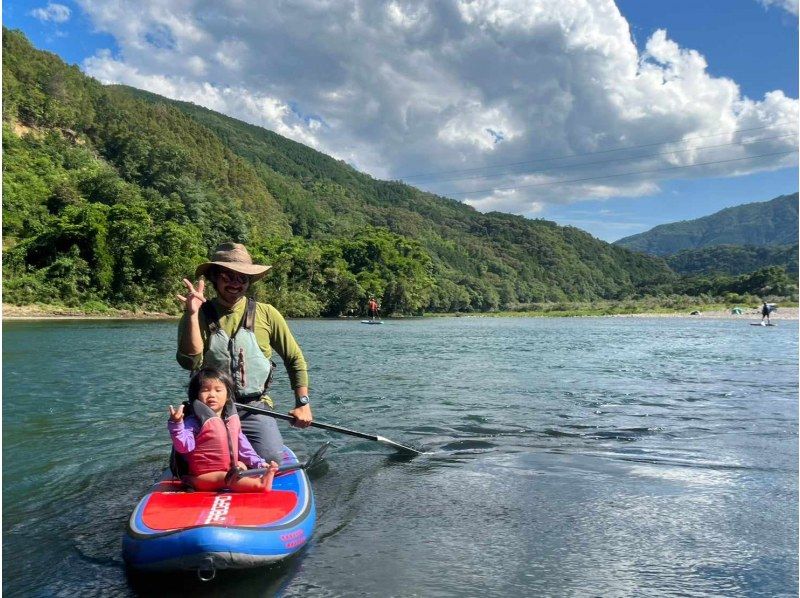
x: 587, y: 456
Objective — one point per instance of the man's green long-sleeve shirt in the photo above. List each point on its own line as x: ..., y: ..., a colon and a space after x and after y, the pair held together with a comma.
x: 271, y: 330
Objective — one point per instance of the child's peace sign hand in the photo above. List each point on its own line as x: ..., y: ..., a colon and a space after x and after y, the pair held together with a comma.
x: 176, y: 415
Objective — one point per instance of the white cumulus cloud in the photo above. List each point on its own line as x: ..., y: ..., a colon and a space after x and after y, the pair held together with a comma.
x: 790, y: 6
x: 506, y: 104
x: 57, y: 13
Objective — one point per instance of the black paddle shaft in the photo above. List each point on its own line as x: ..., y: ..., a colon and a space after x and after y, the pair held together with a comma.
x: 331, y: 427
x: 314, y: 424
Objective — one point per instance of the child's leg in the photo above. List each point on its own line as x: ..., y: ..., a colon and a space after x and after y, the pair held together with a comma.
x: 250, y: 485
x: 215, y: 480
x: 262, y: 484
x: 207, y: 482
x: 269, y: 475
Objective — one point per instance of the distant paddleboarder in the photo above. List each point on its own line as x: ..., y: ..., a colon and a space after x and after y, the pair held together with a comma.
x: 765, y: 309
x: 372, y: 308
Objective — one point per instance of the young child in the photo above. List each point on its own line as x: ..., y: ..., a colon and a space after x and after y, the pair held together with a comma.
x: 211, y: 439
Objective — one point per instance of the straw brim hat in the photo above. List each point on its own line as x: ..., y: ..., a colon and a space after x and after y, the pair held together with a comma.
x: 233, y: 256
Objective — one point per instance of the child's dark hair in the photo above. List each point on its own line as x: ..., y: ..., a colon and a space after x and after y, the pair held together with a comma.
x: 210, y: 374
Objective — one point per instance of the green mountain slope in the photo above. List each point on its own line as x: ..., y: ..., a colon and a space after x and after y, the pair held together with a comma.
x: 734, y: 259
x: 766, y: 223
x: 111, y: 194
x: 524, y: 260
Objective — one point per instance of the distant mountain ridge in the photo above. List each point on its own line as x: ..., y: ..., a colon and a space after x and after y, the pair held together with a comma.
x: 758, y: 224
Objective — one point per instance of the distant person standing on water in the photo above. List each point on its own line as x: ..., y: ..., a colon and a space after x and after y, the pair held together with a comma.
x: 372, y: 308
x: 765, y: 310
x: 236, y: 335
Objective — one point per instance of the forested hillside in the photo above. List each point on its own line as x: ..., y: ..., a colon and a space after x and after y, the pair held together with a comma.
x: 112, y: 195
x: 767, y: 223
x: 480, y: 260
x: 734, y: 259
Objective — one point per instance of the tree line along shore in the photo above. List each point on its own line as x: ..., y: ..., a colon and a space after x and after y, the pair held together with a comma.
x: 786, y: 311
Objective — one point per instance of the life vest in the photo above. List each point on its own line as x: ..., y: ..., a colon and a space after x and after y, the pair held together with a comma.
x: 216, y: 444
x: 240, y: 356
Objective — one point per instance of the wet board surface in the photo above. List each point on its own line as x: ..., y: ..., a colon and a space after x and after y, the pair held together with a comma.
x: 176, y: 510
x: 371, y: 322
x: 175, y: 529
x: 764, y: 325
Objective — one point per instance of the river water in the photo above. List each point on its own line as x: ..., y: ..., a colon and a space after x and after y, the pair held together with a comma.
x: 568, y: 457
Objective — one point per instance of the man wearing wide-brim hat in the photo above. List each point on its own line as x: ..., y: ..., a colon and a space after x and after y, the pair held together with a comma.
x: 237, y: 335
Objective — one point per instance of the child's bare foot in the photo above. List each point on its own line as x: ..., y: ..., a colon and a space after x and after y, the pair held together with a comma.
x: 269, y: 476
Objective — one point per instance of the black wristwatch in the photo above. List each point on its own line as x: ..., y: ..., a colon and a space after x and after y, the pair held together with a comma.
x: 301, y: 401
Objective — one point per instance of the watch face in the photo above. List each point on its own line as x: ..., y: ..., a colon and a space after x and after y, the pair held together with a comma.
x: 302, y: 400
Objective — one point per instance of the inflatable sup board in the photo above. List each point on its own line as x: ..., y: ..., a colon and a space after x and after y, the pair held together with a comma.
x: 173, y: 529
x: 371, y: 322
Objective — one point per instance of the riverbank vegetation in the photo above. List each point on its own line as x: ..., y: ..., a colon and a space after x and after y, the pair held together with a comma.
x: 112, y: 195
x: 675, y: 305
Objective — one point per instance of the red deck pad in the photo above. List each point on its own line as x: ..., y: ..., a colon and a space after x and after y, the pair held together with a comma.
x: 175, y: 510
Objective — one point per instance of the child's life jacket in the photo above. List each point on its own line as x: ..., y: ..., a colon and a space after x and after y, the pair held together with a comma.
x: 240, y: 356
x: 216, y: 439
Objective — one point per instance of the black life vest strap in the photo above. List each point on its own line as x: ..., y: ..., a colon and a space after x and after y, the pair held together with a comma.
x: 246, y: 322
x: 233, y: 470
x: 250, y: 315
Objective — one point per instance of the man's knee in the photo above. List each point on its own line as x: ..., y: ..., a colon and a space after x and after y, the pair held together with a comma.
x: 269, y: 449
x: 264, y: 436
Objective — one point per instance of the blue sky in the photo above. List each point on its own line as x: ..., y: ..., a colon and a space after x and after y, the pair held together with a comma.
x: 74, y: 39
x: 377, y: 84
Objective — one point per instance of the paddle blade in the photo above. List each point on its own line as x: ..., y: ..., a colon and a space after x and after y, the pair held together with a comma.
x: 315, y: 460
x: 317, y: 457
x: 398, y: 446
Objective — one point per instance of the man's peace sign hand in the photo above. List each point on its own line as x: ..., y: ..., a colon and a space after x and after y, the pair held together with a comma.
x: 194, y: 298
